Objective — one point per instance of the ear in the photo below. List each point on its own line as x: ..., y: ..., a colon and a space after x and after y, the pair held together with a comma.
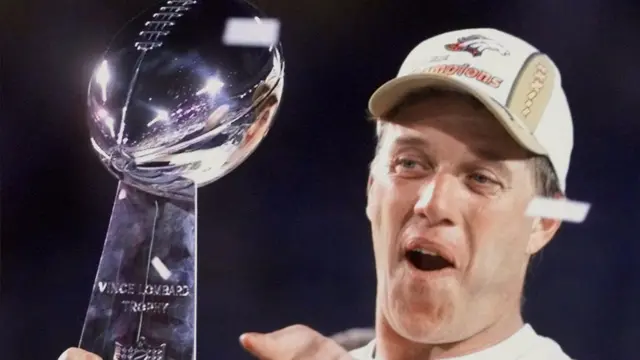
x: 369, y: 205
x: 542, y: 231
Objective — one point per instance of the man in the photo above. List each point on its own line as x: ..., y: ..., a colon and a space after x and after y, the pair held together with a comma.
x: 474, y: 126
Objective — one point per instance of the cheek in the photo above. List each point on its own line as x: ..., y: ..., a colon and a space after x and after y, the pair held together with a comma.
x: 499, y: 236
x: 390, y: 203
x: 388, y: 208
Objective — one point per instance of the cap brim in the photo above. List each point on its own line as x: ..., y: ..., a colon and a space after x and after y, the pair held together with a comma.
x: 390, y: 93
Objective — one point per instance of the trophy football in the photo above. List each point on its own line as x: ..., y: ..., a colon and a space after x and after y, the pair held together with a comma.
x: 173, y: 107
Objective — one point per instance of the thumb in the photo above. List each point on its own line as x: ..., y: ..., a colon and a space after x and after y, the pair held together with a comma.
x: 259, y: 345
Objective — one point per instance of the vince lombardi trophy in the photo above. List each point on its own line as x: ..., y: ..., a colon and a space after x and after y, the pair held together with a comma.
x: 173, y: 106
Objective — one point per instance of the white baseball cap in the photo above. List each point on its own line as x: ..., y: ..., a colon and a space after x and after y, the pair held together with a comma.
x: 514, y: 80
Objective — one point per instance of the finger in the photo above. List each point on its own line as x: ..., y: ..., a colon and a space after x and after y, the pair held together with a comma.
x: 78, y: 354
x: 278, y: 344
x: 259, y: 345
x: 297, y: 342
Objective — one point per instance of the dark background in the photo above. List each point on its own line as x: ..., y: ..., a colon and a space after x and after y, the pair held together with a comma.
x: 284, y: 238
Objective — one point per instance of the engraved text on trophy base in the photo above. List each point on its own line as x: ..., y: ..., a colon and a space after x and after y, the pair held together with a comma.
x: 113, y: 288
x: 141, y: 305
x: 145, y: 307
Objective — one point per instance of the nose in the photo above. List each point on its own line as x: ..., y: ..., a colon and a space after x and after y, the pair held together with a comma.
x: 437, y: 200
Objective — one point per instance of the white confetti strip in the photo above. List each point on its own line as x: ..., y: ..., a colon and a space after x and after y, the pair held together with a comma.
x: 161, y: 268
x: 251, y: 32
x: 560, y: 209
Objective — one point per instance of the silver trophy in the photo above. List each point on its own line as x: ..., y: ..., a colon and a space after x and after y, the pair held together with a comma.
x: 172, y: 108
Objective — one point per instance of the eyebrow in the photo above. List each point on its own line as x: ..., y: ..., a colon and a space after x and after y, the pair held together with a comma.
x: 495, y: 162
x: 411, y: 141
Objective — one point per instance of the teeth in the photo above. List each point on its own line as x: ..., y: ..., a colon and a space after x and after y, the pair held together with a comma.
x: 425, y: 252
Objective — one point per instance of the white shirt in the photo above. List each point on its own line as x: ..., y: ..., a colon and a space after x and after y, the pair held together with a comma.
x: 525, y: 344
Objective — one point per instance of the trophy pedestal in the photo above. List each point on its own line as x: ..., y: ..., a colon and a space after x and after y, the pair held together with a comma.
x: 143, y: 302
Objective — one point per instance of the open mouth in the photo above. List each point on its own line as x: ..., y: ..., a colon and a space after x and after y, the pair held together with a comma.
x: 427, y: 261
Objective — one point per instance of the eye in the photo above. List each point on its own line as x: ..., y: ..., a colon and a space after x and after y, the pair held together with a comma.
x: 484, y: 183
x: 407, y: 163
x: 407, y: 166
x: 481, y: 179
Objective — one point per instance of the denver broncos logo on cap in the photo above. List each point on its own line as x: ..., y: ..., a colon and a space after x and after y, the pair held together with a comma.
x: 476, y: 45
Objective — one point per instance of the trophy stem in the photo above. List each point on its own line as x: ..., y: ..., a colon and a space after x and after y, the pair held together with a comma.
x: 143, y: 304
x: 146, y: 278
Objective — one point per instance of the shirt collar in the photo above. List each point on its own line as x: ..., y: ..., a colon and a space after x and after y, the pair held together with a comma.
x: 514, y: 345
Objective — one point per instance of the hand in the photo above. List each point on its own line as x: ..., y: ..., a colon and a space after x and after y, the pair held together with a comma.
x: 78, y: 354
x: 355, y: 338
x: 296, y: 342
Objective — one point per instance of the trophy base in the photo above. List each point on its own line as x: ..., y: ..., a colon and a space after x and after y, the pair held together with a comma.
x: 143, y: 304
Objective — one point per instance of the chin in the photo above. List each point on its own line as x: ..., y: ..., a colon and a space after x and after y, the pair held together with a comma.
x: 421, y: 318
x: 421, y: 328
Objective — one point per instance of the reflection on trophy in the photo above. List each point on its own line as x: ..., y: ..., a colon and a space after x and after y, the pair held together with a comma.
x: 171, y: 109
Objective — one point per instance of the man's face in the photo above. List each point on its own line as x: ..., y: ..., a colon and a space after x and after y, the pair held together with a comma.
x: 449, y: 180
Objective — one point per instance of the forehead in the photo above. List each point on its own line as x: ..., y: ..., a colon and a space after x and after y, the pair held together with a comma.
x: 462, y: 119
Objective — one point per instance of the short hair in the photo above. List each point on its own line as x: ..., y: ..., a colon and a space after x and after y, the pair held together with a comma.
x: 545, y: 178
